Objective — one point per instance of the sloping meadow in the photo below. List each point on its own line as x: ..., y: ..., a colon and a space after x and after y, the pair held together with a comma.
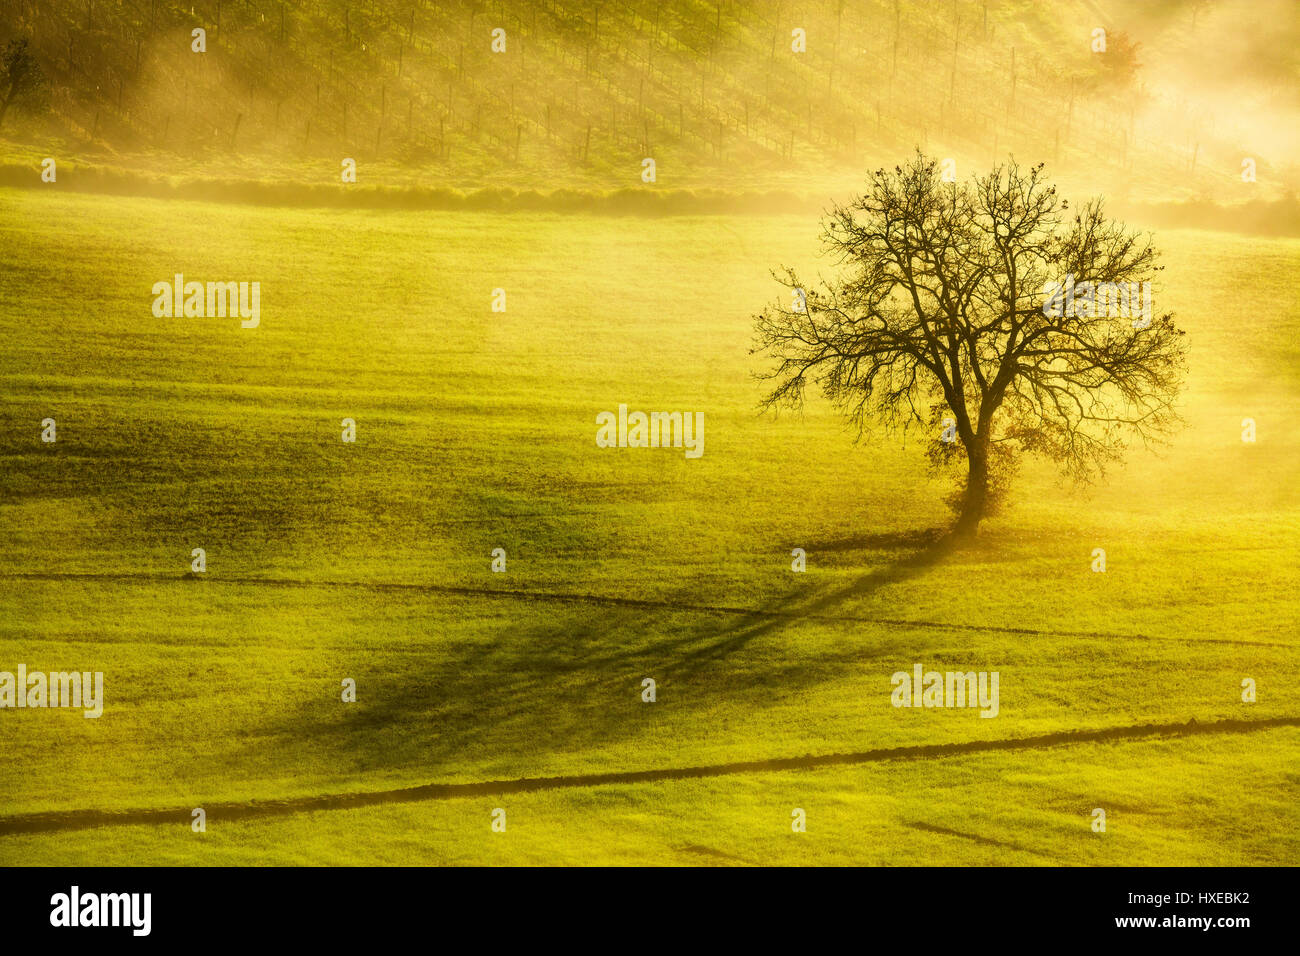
x: 472, y: 353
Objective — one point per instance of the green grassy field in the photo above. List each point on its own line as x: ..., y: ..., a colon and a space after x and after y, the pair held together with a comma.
x: 998, y: 811
x: 475, y: 430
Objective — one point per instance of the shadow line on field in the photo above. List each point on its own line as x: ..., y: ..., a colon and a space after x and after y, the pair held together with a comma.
x: 862, y: 587
x: 974, y: 838
x: 931, y: 546
x: 710, y: 852
x: 84, y: 819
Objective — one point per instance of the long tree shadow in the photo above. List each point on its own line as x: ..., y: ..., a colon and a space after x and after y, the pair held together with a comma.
x: 546, y: 683
x: 927, y: 548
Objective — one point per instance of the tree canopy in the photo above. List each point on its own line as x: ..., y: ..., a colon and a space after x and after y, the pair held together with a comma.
x: 988, y: 304
x: 21, y: 78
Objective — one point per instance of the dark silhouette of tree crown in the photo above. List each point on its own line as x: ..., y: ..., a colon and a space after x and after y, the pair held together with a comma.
x: 939, y: 311
x: 21, y: 77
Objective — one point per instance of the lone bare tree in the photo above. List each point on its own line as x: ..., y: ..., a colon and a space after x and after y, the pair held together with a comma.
x: 988, y: 312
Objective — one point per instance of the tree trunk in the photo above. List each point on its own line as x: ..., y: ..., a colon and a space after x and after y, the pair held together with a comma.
x: 977, y: 488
